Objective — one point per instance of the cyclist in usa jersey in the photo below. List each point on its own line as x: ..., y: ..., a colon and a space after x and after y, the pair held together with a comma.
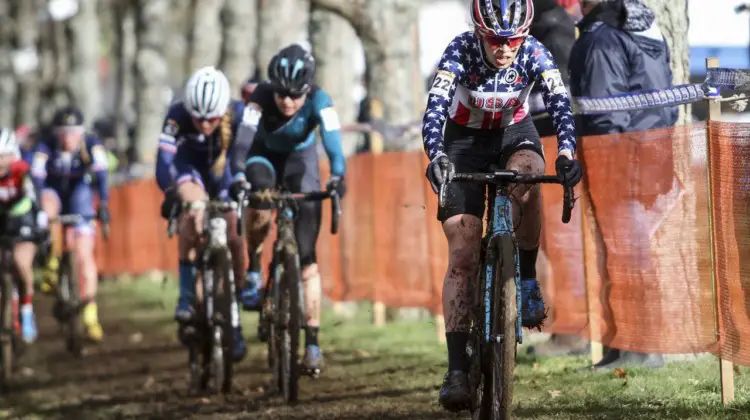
x: 477, y: 115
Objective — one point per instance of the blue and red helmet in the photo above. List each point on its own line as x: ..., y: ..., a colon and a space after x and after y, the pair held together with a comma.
x: 502, y: 18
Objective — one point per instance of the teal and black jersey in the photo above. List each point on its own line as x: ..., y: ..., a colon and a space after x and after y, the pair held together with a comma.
x: 264, y: 122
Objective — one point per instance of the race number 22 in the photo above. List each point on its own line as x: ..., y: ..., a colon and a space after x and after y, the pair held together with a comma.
x: 442, y: 84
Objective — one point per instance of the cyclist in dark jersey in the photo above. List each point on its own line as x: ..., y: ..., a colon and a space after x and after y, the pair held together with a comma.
x: 279, y: 147
x: 478, y: 99
x: 62, y: 169
x: 193, y: 164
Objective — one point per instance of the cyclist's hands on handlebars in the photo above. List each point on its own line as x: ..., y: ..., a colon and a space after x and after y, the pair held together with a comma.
x: 569, y: 170
x: 103, y: 213
x: 237, y: 188
x: 336, y: 183
x: 439, y: 172
x: 170, y: 200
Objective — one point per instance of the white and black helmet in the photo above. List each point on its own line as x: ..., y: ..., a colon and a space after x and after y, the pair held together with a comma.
x: 8, y: 143
x: 207, y: 93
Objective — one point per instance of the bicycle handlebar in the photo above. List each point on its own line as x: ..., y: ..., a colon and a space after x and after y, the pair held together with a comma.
x: 72, y: 219
x: 211, y: 205
x: 513, y: 177
x: 280, y: 196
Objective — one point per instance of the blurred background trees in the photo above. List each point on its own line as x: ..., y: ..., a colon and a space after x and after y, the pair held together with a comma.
x: 124, y: 61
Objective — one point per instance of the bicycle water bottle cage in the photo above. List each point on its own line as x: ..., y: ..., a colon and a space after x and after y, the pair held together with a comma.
x: 217, y: 232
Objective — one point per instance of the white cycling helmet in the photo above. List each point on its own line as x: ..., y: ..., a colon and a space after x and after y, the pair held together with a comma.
x: 207, y: 93
x: 8, y: 143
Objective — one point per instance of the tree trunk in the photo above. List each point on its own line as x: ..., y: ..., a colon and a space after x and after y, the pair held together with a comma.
x: 240, y: 26
x: 53, y: 75
x: 150, y: 77
x: 672, y: 17
x: 179, y: 23
x: 280, y: 23
x: 83, y: 33
x: 331, y: 38
x: 7, y: 78
x: 26, y: 57
x: 389, y: 33
x: 204, y: 42
x: 125, y: 51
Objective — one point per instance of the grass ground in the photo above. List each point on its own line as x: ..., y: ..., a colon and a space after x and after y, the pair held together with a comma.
x: 392, y: 373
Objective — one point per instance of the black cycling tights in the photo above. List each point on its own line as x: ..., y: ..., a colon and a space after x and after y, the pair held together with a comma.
x: 527, y: 262
x: 307, y: 228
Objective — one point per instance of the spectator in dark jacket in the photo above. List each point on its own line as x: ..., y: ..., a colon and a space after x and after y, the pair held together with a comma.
x: 555, y: 29
x: 620, y: 50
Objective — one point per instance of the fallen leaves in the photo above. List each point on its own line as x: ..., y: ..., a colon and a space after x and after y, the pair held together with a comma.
x: 360, y: 354
x: 136, y: 338
x: 622, y: 374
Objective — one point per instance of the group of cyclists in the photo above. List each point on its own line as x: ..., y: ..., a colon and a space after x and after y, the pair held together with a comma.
x: 213, y: 146
x: 61, y: 174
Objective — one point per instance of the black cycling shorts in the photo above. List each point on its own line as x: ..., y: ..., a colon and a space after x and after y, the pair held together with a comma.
x: 475, y: 150
x: 297, y: 171
x: 22, y: 227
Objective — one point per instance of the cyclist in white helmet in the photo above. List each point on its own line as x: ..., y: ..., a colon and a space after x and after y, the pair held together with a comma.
x: 192, y: 164
x: 21, y: 220
x: 478, y: 115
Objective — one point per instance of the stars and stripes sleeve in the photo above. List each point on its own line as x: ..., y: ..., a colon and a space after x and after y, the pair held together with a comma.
x: 543, y: 68
x: 449, y: 71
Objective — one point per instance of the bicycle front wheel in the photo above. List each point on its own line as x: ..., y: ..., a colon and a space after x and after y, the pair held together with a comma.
x: 221, y: 331
x: 504, y: 321
x: 290, y: 318
x: 70, y: 298
x: 6, y: 289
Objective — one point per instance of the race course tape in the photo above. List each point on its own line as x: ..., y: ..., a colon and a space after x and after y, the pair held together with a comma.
x: 733, y: 79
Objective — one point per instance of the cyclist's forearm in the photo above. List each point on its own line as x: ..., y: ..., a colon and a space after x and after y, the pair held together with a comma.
x: 241, y: 148
x: 30, y: 189
x: 332, y: 146
x: 432, y: 133
x: 102, y: 184
x: 164, y: 176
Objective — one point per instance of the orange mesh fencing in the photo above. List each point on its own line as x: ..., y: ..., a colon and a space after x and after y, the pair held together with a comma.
x: 633, y: 267
x: 730, y: 188
x: 560, y: 267
x: 653, y: 290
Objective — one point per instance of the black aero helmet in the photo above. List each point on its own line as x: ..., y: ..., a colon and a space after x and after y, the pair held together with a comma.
x: 292, y: 69
x: 69, y: 116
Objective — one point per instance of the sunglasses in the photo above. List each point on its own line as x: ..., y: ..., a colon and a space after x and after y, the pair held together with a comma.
x: 208, y: 120
x: 283, y: 93
x: 498, y: 41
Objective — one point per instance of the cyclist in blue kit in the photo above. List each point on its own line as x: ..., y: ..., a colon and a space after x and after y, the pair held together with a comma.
x: 477, y: 115
x: 279, y: 147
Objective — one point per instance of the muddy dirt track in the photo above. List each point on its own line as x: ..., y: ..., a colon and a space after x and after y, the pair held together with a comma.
x: 139, y: 372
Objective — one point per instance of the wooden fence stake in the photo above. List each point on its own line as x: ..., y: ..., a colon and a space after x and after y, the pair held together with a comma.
x: 590, y: 270
x: 376, y: 148
x: 726, y: 368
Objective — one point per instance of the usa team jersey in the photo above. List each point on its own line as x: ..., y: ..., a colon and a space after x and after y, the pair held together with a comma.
x: 473, y: 93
